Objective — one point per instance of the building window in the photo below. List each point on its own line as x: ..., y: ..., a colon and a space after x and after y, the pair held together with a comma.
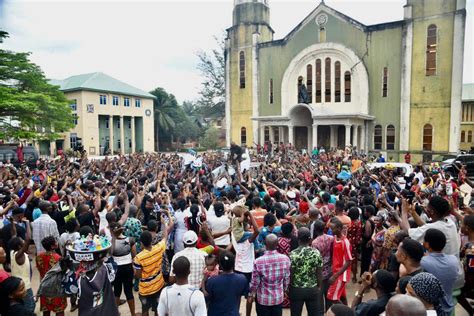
x: 271, y: 91
x: 119, y: 143
x: 309, y: 82
x: 347, y: 86
x: 115, y: 100
x: 378, y: 137
x: 431, y: 48
x: 385, y: 82
x: 73, y: 140
x: 266, y: 134
x: 327, y: 83
x: 103, y: 99
x: 463, y: 136
x: 118, y: 124
x: 318, y: 80
x: 219, y: 123
x: 107, y: 123
x: 276, y: 135
x: 467, y: 112
x: 73, y: 105
x: 129, y: 123
x: 322, y: 34
x: 427, y: 137
x: 129, y: 143
x: 74, y: 118
x: 138, y: 103
x: 390, y: 137
x: 469, y: 136
x: 243, y: 136
x: 126, y: 102
x: 337, y: 78
x: 242, y: 69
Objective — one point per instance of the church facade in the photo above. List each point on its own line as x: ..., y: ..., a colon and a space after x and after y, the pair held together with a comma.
x: 333, y: 81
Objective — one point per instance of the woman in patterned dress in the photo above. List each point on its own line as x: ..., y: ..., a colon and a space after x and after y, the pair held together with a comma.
x: 377, y: 242
x: 354, y: 234
x: 44, y: 262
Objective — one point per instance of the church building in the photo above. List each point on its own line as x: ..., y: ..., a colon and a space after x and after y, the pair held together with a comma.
x: 334, y: 81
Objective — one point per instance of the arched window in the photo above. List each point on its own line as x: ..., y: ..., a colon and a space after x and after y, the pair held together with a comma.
x: 327, y: 83
x: 266, y: 134
x: 431, y: 48
x: 309, y: 82
x: 271, y: 91
x: 463, y: 136
x: 242, y: 69
x: 378, y: 137
x: 347, y: 86
x: 469, y: 136
x: 337, y: 78
x: 243, y: 136
x: 390, y: 137
x: 427, y: 137
x: 322, y: 34
x: 318, y: 80
x: 385, y: 82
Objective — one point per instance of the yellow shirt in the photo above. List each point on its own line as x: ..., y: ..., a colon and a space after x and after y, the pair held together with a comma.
x: 149, y: 261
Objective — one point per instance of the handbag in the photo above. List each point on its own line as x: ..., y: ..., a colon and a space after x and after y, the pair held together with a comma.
x: 51, y: 284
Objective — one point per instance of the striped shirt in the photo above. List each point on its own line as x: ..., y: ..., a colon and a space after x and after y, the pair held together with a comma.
x: 270, y: 278
x: 149, y: 261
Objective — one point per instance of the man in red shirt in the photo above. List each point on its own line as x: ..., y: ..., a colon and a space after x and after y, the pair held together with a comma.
x: 341, y: 264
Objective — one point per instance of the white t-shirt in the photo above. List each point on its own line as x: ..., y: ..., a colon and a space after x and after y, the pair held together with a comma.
x: 244, y: 255
x: 181, y: 300
x: 219, y: 225
x: 448, y: 227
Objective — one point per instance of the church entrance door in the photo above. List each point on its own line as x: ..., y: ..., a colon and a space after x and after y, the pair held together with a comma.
x: 301, y: 137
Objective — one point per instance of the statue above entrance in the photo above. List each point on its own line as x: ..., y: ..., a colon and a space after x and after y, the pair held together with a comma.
x: 303, y: 96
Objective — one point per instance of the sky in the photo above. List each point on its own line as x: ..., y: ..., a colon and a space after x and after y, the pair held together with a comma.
x: 152, y: 44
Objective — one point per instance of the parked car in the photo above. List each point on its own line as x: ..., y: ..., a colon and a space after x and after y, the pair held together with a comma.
x: 466, y: 160
x: 8, y: 153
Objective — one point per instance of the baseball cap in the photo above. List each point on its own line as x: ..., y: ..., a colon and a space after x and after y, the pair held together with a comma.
x: 190, y: 237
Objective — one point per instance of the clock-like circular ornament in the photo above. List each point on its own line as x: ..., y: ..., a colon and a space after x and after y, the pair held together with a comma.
x: 321, y: 19
x: 148, y: 112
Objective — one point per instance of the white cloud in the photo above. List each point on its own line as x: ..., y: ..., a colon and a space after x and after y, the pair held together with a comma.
x: 154, y: 43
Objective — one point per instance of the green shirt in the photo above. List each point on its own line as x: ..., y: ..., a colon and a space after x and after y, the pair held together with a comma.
x: 304, y: 263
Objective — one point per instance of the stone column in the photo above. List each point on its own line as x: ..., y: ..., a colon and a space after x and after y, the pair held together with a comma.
x: 315, y: 135
x: 281, y: 137
x: 133, y: 133
x: 262, y: 135
x: 272, y: 135
x: 333, y: 136
x: 111, y: 134
x: 348, y: 135
x: 52, y: 148
x: 122, y: 136
x: 355, y: 141
x: 363, y: 143
x: 291, y: 138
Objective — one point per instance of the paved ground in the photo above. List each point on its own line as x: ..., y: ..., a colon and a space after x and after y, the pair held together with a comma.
x: 351, y: 288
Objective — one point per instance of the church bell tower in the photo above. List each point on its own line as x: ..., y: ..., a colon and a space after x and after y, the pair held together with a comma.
x: 251, y: 26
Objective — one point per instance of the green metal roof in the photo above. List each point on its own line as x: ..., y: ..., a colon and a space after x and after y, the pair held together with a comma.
x: 468, y: 92
x: 98, y: 81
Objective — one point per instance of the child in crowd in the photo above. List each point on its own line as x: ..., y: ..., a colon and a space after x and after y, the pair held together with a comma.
x: 211, y: 270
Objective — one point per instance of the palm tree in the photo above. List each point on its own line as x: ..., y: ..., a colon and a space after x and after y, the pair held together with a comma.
x: 164, y: 107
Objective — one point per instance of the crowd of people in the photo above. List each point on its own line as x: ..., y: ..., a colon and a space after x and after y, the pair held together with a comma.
x: 200, y: 236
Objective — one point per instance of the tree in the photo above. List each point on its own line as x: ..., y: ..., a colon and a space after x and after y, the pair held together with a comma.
x: 164, y: 107
x: 210, y: 140
x: 211, y: 99
x: 30, y: 107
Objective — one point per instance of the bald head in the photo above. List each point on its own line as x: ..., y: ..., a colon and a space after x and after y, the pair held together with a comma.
x: 405, y: 305
x: 271, y: 242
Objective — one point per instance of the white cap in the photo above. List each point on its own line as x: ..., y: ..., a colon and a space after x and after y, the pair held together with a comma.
x: 190, y: 238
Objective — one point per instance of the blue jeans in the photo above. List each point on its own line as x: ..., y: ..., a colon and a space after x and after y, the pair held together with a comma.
x: 29, y: 301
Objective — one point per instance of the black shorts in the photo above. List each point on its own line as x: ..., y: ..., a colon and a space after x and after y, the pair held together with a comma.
x: 150, y: 302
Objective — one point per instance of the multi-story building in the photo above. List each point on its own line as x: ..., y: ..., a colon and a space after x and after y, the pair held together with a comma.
x: 334, y: 81
x: 109, y: 116
x: 467, y: 117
